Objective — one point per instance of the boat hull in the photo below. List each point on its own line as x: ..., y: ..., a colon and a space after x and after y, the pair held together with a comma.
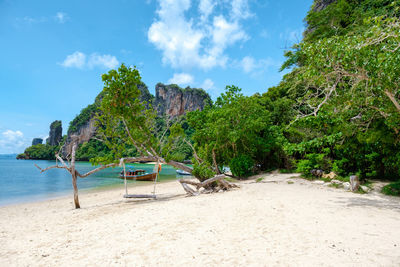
x: 142, y: 177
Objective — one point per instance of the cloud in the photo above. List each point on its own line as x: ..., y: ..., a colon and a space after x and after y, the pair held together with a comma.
x: 81, y: 61
x: 240, y: 9
x: 197, y: 41
x: 106, y: 61
x: 257, y: 66
x: 208, y: 84
x: 75, y: 60
x: 12, y: 142
x: 248, y: 64
x: 27, y: 20
x: 61, y: 17
x: 206, y: 8
x: 181, y: 79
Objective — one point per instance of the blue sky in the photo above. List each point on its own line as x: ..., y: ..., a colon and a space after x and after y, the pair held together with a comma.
x: 53, y: 53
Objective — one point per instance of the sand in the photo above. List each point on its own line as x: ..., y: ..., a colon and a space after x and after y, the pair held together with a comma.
x: 271, y: 223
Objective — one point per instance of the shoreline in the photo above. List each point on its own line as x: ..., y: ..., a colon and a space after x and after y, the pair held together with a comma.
x: 29, y: 185
x: 84, y: 191
x: 271, y: 222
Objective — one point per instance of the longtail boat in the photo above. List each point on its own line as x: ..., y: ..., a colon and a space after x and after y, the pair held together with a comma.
x: 139, y: 175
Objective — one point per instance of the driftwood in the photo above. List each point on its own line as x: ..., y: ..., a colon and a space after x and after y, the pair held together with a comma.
x: 208, y: 185
x: 354, y: 183
x: 222, y: 184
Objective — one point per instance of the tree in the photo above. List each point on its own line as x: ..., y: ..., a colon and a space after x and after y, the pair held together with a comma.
x: 124, y: 121
x: 346, y: 91
x: 238, y: 131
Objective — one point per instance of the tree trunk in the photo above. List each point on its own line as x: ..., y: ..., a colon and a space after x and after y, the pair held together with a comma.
x: 76, y: 198
x: 73, y: 174
x: 215, y: 163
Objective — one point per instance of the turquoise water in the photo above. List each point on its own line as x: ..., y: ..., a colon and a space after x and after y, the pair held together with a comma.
x: 21, y: 181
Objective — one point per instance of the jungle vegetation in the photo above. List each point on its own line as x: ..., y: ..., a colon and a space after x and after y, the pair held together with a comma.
x: 337, y: 108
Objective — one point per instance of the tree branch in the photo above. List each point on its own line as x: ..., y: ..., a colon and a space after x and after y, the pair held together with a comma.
x: 51, y: 167
x: 393, y: 99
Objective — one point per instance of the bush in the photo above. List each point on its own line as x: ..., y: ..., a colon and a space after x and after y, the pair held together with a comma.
x: 392, y: 189
x: 203, y: 171
x: 241, y: 166
x: 314, y: 161
x: 41, y: 151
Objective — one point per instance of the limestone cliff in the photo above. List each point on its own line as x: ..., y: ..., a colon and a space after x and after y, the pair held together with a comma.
x: 55, y: 134
x: 318, y: 5
x: 170, y: 99
x: 322, y: 4
x: 37, y: 141
x: 174, y: 101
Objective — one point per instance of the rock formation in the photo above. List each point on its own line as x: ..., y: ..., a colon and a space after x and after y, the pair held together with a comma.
x: 318, y: 6
x: 83, y: 134
x: 37, y: 141
x: 170, y: 100
x: 322, y: 4
x: 55, y: 134
x: 174, y: 101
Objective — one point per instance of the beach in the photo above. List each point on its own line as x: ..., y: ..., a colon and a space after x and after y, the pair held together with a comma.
x: 270, y: 223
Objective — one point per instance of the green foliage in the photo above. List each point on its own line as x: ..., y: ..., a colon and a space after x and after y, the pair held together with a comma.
x: 242, y: 166
x: 344, y: 16
x: 202, y: 171
x: 344, y: 88
x: 91, y: 149
x: 124, y: 121
x: 84, y: 116
x: 392, y: 189
x: 314, y: 161
x: 236, y: 125
x: 41, y: 151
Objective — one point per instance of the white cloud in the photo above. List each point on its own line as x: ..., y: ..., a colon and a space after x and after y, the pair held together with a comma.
x: 240, y: 9
x: 208, y: 84
x: 197, y: 41
x: 255, y: 67
x: 181, y: 79
x: 248, y: 64
x: 61, y: 17
x: 81, y: 61
x: 75, y: 60
x: 12, y: 142
x: 106, y: 61
x: 206, y: 8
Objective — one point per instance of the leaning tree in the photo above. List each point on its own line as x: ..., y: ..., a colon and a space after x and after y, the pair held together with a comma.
x: 124, y: 121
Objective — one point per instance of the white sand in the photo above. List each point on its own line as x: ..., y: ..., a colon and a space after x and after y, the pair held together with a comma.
x: 272, y: 223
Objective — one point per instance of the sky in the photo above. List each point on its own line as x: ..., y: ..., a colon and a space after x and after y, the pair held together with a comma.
x: 52, y: 53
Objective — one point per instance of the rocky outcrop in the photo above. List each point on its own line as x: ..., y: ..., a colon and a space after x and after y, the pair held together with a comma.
x: 322, y: 4
x: 145, y: 95
x: 318, y: 6
x: 37, y: 141
x: 83, y: 134
x: 170, y: 99
x: 55, y: 134
x: 174, y: 101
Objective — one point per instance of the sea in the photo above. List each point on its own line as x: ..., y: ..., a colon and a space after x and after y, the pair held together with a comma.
x: 21, y: 181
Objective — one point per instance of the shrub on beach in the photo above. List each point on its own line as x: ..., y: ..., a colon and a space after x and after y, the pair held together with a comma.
x: 242, y: 165
x: 202, y: 171
x: 392, y: 189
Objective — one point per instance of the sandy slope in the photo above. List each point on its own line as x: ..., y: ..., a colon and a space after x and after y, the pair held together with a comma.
x: 272, y: 223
